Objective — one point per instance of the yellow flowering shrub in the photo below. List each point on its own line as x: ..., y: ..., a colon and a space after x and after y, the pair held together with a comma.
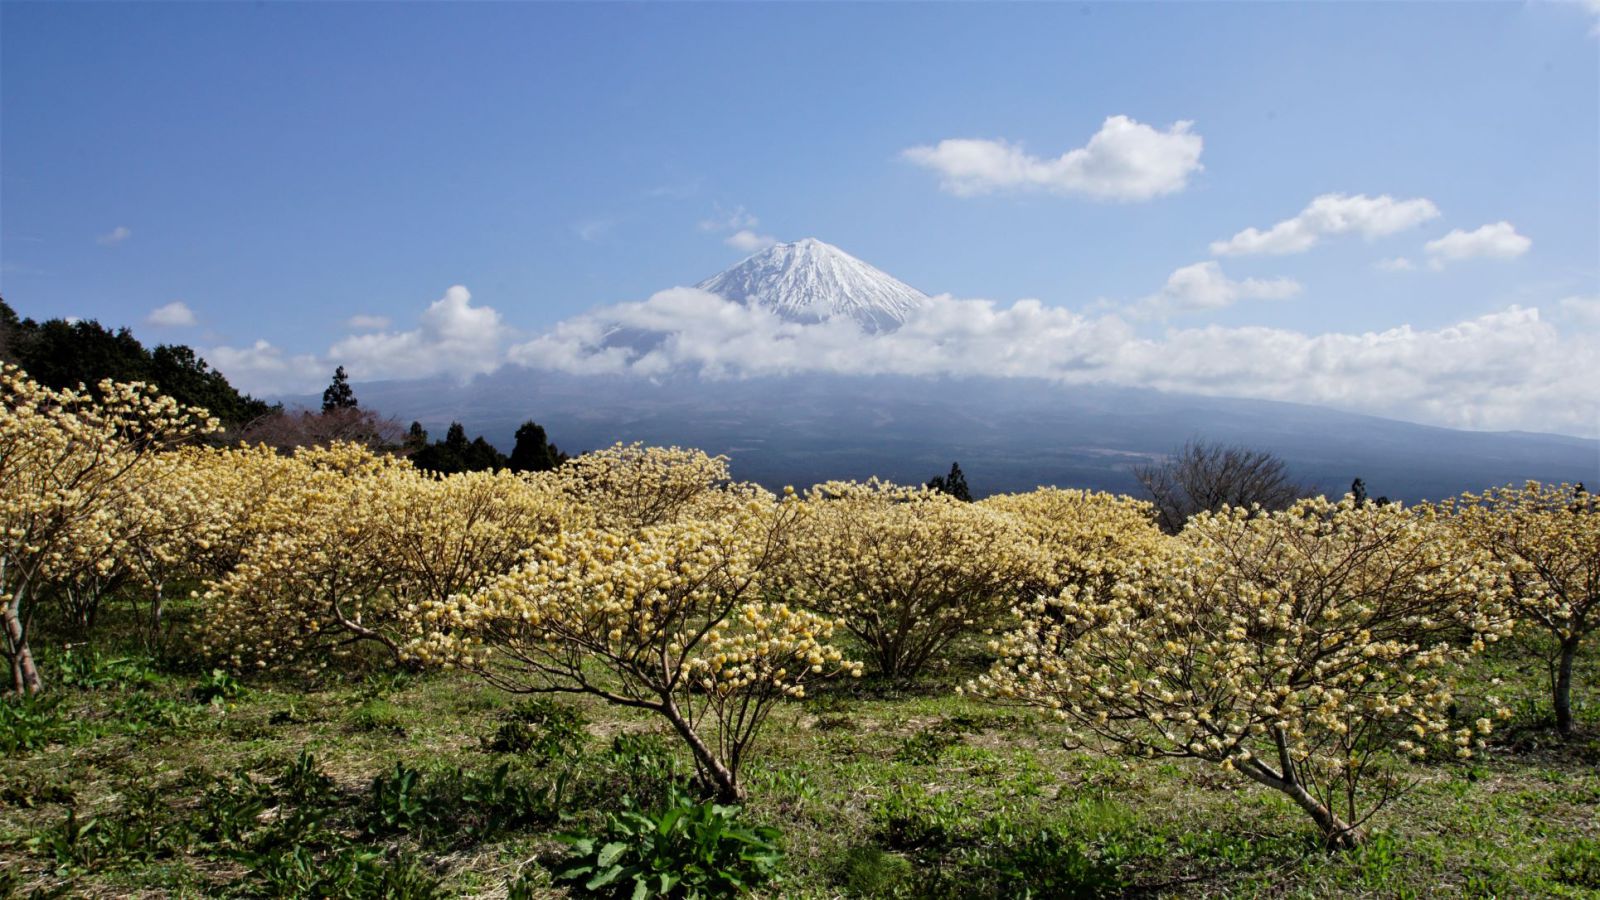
x: 364, y: 543
x: 1090, y: 539
x: 239, y: 495
x: 669, y: 618
x: 1304, y: 649
x: 69, y: 461
x: 908, y: 570
x: 150, y: 537
x: 1549, y: 538
x: 627, y: 487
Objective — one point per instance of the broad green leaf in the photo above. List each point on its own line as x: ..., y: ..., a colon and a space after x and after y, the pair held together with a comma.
x: 604, y: 878
x: 609, y: 853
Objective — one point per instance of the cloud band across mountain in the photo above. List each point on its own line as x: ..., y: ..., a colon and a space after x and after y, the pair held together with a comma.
x: 1506, y: 370
x: 808, y: 307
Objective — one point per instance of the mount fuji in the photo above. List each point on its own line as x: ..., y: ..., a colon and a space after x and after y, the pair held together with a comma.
x: 798, y: 425
x: 808, y: 281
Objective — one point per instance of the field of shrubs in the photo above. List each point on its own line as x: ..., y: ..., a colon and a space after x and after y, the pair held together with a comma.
x: 241, y: 672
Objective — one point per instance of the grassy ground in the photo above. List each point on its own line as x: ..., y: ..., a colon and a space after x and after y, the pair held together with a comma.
x: 190, y: 784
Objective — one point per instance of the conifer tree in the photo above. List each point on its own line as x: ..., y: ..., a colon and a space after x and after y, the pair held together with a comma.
x: 954, y: 484
x: 339, y: 396
x: 416, y: 437
x: 533, y: 451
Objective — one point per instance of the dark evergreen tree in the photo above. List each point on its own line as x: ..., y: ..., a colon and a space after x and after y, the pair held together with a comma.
x: 9, y: 326
x: 954, y: 484
x: 457, y: 454
x: 533, y: 451
x: 483, y: 457
x: 416, y: 438
x: 339, y: 394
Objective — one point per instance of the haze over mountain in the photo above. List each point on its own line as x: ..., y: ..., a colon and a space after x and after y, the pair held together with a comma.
x: 1009, y: 433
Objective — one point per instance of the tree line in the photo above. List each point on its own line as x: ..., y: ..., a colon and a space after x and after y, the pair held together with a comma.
x: 63, y: 354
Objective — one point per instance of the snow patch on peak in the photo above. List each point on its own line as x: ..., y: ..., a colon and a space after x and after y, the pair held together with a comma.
x: 810, y: 281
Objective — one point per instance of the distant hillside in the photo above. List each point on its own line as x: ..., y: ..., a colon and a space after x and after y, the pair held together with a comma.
x: 1008, y: 434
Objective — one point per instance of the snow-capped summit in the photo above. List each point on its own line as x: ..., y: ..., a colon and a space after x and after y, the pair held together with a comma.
x: 809, y: 281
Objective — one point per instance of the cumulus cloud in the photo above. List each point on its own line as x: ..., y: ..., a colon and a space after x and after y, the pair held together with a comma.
x: 452, y: 337
x: 1397, y: 264
x: 1203, y: 286
x: 1497, y: 241
x: 176, y: 314
x: 1124, y: 160
x: 266, y: 370
x: 1510, y: 369
x: 1331, y: 214
x: 115, y: 236
x: 363, y: 322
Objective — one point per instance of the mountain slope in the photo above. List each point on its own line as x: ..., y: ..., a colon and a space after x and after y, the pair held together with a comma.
x: 1008, y: 434
x: 810, y: 281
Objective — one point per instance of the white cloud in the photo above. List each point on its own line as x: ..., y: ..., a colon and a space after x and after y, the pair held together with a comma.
x: 1497, y: 241
x: 115, y: 236
x: 1397, y: 264
x: 1330, y: 214
x: 1203, y: 286
x: 265, y: 370
x: 452, y: 337
x: 748, y: 241
x: 1510, y: 369
x: 176, y: 314
x: 363, y: 322
x: 1124, y: 160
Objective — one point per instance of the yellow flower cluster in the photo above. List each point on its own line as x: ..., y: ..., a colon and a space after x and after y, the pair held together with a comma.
x: 1091, y: 539
x: 908, y: 570
x: 627, y: 487
x: 354, y: 548
x: 1294, y: 647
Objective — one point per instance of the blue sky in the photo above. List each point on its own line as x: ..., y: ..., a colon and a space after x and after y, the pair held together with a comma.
x: 280, y: 169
